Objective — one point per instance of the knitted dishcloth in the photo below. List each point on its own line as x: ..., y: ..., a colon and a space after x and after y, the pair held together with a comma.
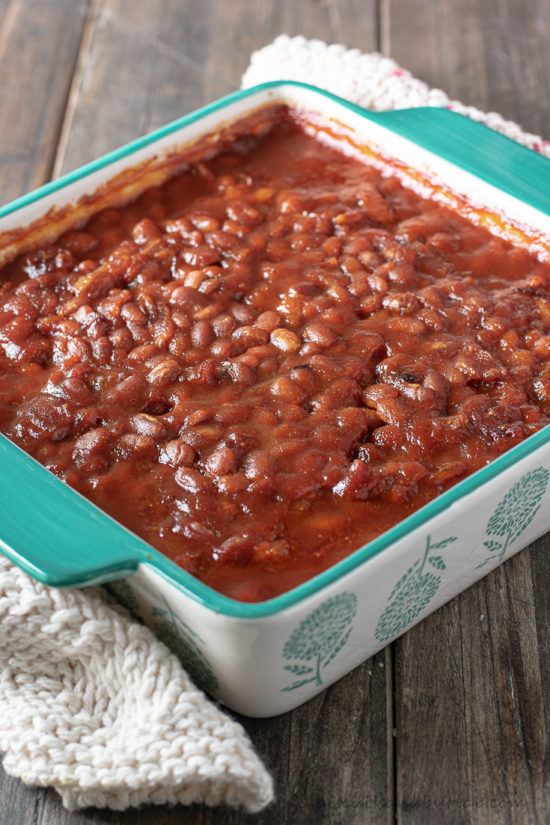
x: 90, y: 702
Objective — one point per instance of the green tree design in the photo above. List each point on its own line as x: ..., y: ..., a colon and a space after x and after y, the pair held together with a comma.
x: 179, y: 637
x: 412, y: 593
x: 319, y: 638
x: 514, y: 513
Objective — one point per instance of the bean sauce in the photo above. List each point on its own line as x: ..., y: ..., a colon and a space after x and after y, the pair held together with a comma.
x: 272, y: 358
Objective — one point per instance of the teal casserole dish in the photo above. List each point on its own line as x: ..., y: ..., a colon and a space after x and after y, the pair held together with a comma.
x: 265, y: 658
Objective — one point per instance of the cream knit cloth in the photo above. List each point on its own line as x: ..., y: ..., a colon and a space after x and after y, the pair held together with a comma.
x: 90, y: 702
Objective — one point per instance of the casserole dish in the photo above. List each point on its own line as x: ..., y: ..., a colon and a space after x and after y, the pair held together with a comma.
x: 265, y: 658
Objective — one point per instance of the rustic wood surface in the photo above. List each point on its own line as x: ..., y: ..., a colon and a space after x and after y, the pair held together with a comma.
x: 448, y: 725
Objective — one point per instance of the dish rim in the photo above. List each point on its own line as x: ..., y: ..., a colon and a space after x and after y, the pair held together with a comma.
x: 420, y: 131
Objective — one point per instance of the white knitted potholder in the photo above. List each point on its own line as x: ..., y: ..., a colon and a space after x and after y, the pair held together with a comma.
x: 90, y: 702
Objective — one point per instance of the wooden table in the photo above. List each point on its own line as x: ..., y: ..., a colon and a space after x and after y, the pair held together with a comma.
x: 448, y: 724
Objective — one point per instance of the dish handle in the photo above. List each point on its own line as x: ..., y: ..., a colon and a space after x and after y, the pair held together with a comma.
x: 53, y: 533
x: 474, y: 147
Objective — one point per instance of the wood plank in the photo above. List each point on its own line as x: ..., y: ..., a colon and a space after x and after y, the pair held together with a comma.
x: 468, y: 689
x: 351, y: 21
x: 39, y: 44
x: 20, y: 805
x: 471, y: 698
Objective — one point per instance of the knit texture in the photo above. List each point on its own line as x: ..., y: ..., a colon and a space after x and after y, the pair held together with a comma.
x: 90, y: 702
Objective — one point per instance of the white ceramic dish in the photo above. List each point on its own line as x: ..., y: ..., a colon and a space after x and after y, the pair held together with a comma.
x: 266, y: 658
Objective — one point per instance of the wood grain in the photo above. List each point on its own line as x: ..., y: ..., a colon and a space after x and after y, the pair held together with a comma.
x: 39, y: 44
x: 470, y: 718
x: 492, y: 54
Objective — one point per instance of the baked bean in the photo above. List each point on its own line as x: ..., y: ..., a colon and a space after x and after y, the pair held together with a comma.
x: 223, y: 325
x: 131, y: 312
x: 194, y: 279
x: 243, y: 314
x: 264, y: 417
x: 361, y: 482
x: 200, y: 416
x: 369, y: 305
x: 305, y: 377
x: 406, y: 326
x: 320, y: 334
x: 201, y: 436
x: 332, y: 247
x: 202, y: 334
x: 263, y: 194
x: 370, y: 259
x: 147, y: 425
x: 191, y: 480
x: 403, y: 302
x: 187, y: 295
x: 283, y: 450
x: 181, y: 320
x: 256, y: 356
x: 244, y: 212
x: 102, y: 349
x: 177, y: 453
x: 291, y: 412
x: 206, y: 223
x: 242, y: 373
x: 91, y: 442
x: 325, y: 367
x: 268, y: 320
x: 236, y: 550
x: 523, y: 357
x: 221, y: 461
x: 223, y: 348
x: 202, y: 255
x: 541, y: 347
x: 478, y: 364
x: 291, y: 202
x: 132, y: 444
x: 145, y: 231
x: 285, y: 340
x: 232, y: 414
x: 251, y: 336
x: 45, y: 415
x: 164, y: 373
x: 286, y: 390
x: 231, y: 485
x: 271, y: 551
x: 231, y: 227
